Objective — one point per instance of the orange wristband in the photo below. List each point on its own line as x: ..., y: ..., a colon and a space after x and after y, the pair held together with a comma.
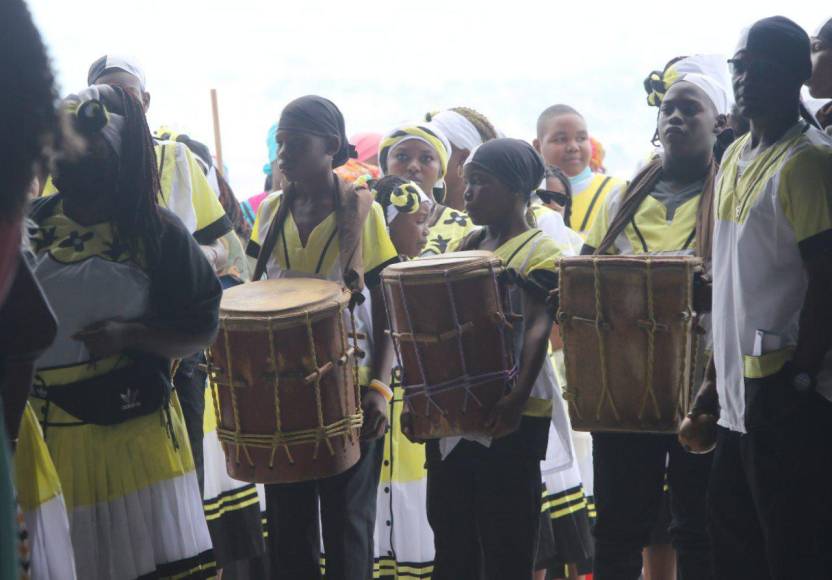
x: 382, y: 389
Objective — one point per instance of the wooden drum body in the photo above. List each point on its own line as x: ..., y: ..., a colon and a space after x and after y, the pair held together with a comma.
x: 627, y: 324
x: 452, y: 339
x: 284, y: 382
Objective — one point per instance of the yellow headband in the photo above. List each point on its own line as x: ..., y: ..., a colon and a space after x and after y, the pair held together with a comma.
x: 421, y: 133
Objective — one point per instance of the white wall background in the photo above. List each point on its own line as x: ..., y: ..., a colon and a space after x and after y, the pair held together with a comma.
x: 384, y: 62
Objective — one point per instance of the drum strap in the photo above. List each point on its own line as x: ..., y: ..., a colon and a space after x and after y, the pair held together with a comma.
x: 352, y: 206
x: 592, y: 203
x: 520, y: 247
x: 638, y: 190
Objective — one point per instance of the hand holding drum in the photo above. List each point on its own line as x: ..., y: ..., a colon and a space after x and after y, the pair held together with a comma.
x: 453, y: 342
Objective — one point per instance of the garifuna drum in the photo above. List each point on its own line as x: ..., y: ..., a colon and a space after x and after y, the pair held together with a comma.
x: 284, y: 381
x: 452, y: 339
x: 627, y: 324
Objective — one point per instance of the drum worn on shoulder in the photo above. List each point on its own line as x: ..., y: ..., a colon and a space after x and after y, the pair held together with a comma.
x: 452, y: 339
x: 283, y: 377
x: 627, y: 324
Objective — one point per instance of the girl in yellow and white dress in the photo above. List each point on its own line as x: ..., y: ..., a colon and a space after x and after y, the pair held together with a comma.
x: 420, y: 152
x: 41, y: 500
x: 132, y: 291
x: 403, y: 538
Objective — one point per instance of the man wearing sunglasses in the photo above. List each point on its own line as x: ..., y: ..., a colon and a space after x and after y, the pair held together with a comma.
x: 770, y: 493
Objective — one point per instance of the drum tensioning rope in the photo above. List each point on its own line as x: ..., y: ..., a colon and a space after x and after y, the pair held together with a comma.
x: 650, y: 325
x: 602, y: 353
x: 345, y: 427
x: 466, y: 381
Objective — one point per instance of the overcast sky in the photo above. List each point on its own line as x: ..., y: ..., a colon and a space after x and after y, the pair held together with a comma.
x: 387, y: 62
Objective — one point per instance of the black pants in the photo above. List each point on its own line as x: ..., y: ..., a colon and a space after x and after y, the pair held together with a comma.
x: 347, y: 521
x: 484, y: 509
x: 629, y: 476
x: 770, y: 494
x: 190, y: 387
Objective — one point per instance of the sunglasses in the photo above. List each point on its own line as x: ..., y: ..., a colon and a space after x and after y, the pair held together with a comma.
x: 558, y: 197
x: 755, y: 67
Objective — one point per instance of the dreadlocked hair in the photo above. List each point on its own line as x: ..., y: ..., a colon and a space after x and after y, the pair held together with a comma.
x: 479, y: 121
x: 29, y: 124
x: 136, y: 218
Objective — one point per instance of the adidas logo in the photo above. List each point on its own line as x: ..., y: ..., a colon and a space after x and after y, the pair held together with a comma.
x: 129, y: 399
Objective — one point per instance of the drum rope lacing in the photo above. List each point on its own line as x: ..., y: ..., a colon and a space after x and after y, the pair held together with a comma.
x: 651, y: 328
x: 651, y: 325
x: 466, y: 381
x: 602, y: 353
x: 345, y: 427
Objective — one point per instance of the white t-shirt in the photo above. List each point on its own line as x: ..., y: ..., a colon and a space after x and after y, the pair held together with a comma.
x: 771, y: 212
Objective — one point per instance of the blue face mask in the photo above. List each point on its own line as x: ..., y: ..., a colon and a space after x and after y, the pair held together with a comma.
x: 581, y: 181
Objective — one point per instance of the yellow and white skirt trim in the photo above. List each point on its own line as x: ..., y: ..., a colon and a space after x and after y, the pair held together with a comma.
x: 42, y: 503
x: 131, y: 494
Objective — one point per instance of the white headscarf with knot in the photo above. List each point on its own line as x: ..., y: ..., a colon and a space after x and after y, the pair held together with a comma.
x: 709, y: 72
x: 460, y: 131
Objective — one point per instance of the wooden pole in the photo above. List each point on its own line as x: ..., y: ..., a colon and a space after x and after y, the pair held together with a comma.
x: 217, y: 136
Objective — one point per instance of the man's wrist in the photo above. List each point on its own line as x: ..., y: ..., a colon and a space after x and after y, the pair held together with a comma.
x: 706, y: 401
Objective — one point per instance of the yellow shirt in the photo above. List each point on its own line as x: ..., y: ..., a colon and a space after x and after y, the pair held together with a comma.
x: 587, y: 203
x: 653, y: 229
x: 319, y: 259
x: 320, y: 254
x: 185, y: 191
x: 532, y: 257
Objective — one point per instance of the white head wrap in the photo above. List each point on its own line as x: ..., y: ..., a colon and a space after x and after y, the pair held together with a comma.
x: 110, y: 62
x: 460, y: 131
x: 710, y: 73
x: 716, y: 93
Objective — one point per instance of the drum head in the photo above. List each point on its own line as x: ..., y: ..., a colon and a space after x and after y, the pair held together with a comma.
x: 443, y: 263
x: 283, y: 297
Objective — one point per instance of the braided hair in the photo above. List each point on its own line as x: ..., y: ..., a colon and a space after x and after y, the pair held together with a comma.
x: 137, y: 222
x: 479, y: 121
x: 29, y: 124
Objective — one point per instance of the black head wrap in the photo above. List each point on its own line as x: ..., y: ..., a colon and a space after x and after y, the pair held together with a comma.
x: 512, y: 161
x: 317, y: 116
x: 782, y: 41
x: 824, y: 33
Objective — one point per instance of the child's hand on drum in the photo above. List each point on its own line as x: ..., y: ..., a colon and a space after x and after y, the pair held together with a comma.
x: 505, y: 418
x: 374, y: 406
